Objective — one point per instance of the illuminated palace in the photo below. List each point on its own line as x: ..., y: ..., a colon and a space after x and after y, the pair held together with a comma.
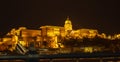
x: 48, y: 36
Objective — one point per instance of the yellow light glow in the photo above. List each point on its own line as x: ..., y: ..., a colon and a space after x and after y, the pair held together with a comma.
x: 51, y: 35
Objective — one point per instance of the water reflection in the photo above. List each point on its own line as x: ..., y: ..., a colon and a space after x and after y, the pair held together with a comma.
x: 66, y: 60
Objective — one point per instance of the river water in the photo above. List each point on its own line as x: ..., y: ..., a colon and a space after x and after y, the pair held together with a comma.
x: 67, y: 60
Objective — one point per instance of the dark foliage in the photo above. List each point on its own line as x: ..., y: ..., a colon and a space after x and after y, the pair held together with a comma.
x: 111, y: 45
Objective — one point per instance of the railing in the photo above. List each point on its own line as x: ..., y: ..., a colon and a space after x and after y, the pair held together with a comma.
x: 101, y: 57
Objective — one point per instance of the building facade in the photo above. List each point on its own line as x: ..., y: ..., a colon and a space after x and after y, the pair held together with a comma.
x: 49, y: 36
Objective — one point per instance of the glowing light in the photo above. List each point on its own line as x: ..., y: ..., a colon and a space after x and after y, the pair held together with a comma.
x: 51, y: 35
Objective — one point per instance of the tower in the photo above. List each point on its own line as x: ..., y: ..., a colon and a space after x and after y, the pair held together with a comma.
x: 68, y: 25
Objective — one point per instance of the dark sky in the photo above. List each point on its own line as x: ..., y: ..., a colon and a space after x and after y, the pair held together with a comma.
x: 103, y: 15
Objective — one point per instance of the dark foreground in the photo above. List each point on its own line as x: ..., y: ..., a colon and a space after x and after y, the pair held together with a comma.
x: 81, y: 57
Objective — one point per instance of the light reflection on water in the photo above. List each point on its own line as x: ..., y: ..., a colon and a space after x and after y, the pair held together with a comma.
x: 62, y: 60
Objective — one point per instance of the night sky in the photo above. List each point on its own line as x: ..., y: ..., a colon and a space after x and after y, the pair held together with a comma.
x: 103, y: 15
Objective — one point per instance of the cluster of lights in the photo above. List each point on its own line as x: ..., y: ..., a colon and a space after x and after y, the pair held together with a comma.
x: 52, y: 33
